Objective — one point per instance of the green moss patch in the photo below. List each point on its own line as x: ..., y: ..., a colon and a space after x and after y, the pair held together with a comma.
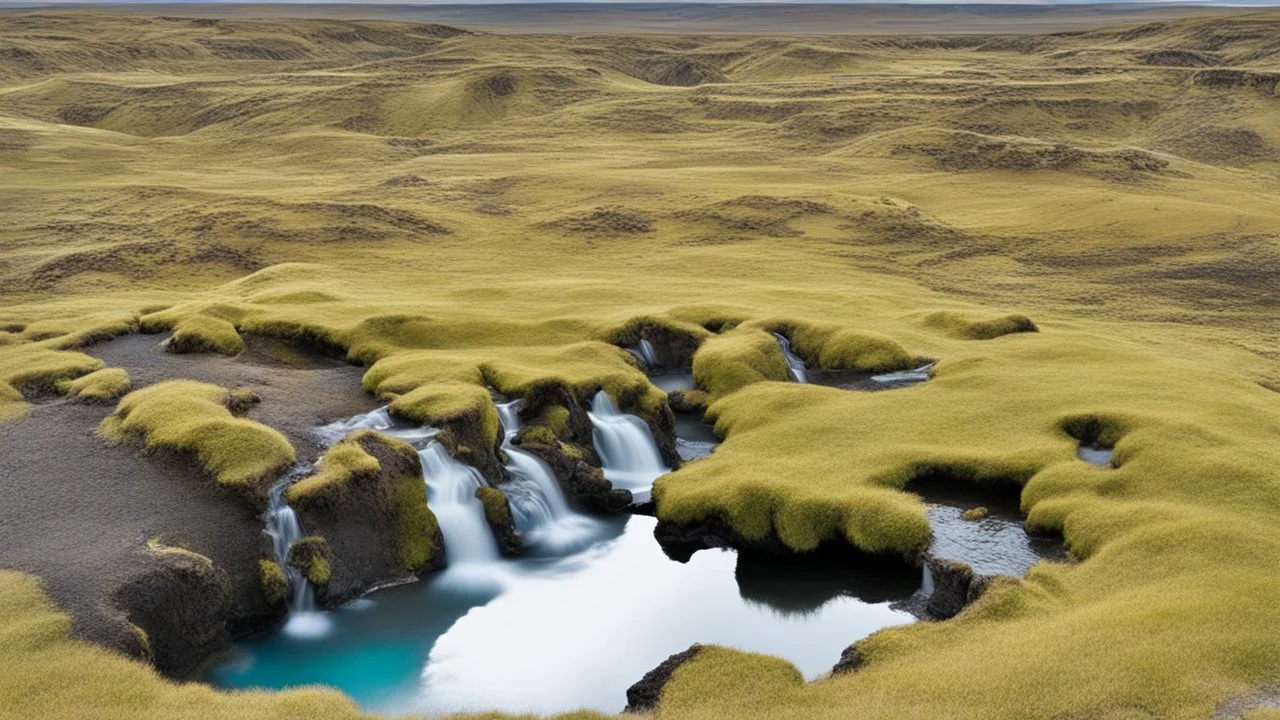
x: 961, y: 326
x: 730, y: 362
x: 275, y: 587
x: 312, y: 556
x: 189, y: 416
x: 202, y: 333
x: 98, y: 386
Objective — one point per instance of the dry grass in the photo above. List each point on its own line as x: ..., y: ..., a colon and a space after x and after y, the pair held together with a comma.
x: 881, y: 199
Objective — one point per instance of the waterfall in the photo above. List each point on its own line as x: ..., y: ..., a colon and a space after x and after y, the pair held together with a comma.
x: 305, y: 620
x: 795, y: 366
x: 627, y: 451
x: 926, y: 583
x: 470, y: 547
x: 537, y: 503
x: 451, y: 494
x: 645, y: 353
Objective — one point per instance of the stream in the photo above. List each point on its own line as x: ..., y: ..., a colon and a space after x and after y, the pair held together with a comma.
x: 593, y: 607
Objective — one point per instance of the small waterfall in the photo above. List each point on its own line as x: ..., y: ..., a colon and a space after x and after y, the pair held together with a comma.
x: 451, y: 494
x: 645, y: 353
x: 627, y: 451
x: 537, y: 503
x: 795, y: 366
x: 305, y: 620
x: 926, y: 583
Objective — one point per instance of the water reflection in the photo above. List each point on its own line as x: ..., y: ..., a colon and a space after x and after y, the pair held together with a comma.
x: 557, y: 634
x: 997, y: 544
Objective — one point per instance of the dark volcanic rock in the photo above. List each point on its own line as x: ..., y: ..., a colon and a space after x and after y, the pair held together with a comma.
x: 497, y: 512
x: 951, y: 583
x: 644, y: 696
x: 376, y: 523
x: 850, y: 660
x: 181, y: 602
x: 589, y: 490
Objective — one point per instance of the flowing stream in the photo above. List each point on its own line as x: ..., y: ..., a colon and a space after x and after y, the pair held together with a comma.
x: 305, y: 620
x: 628, y: 453
x: 592, y: 607
x: 795, y: 366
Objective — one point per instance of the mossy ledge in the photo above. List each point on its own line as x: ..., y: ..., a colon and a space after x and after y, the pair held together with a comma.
x: 961, y: 326
x: 368, y: 501
x: 674, y: 341
x: 193, y: 417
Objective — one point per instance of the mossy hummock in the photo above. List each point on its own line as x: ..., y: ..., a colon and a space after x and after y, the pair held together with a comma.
x: 369, y: 502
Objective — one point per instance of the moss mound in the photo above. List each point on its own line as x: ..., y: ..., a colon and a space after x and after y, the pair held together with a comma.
x: 98, y: 386
x: 201, y: 333
x: 960, y: 326
x: 369, y: 501
x: 188, y: 416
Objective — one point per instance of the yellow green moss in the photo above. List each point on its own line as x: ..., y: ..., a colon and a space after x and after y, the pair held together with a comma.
x: 99, y: 385
x: 274, y: 584
x: 189, y: 416
x: 496, y: 509
x: 203, y: 333
x: 441, y: 404
x: 730, y: 362
x: 961, y: 326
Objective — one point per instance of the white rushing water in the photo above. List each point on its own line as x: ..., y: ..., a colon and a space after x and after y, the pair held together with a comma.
x: 627, y: 450
x: 538, y: 505
x: 795, y: 366
x: 284, y: 528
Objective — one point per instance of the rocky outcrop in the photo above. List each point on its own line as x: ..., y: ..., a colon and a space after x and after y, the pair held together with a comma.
x: 644, y: 696
x: 369, y: 503
x: 178, y: 605
x: 588, y: 489
x: 468, y: 441
x: 850, y: 660
x: 497, y: 512
x: 681, y: 540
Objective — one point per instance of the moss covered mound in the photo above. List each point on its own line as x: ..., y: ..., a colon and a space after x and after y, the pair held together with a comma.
x: 98, y: 386
x: 192, y: 417
x: 202, y: 333
x: 961, y: 326
x: 368, y: 500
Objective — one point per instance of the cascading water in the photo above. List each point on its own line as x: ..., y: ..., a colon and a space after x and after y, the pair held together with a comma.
x: 795, y: 366
x: 305, y: 620
x: 627, y: 450
x: 451, y: 494
x: 537, y: 502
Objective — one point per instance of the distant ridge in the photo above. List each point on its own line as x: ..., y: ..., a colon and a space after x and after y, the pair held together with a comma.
x: 863, y: 18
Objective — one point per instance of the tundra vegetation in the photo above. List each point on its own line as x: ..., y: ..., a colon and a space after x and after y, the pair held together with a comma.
x: 1082, y: 228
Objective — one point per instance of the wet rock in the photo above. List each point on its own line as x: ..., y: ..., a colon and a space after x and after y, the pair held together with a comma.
x: 179, y: 603
x: 467, y: 441
x: 850, y: 660
x: 588, y: 489
x: 687, y: 401
x: 373, y: 517
x: 497, y: 512
x: 643, y: 697
x: 951, y: 585
x: 681, y: 540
